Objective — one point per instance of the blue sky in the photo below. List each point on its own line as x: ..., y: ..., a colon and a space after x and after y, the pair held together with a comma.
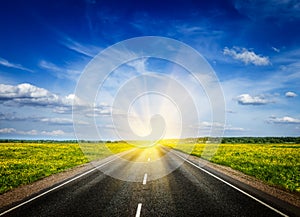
x: 253, y: 47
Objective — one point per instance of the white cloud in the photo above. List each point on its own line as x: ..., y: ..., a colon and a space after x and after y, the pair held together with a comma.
x: 276, y: 49
x: 8, y: 117
x: 205, y: 125
x: 139, y: 65
x: 8, y: 64
x: 7, y: 130
x: 60, y: 121
x: 30, y: 132
x: 290, y: 94
x: 238, y: 129
x: 99, y: 111
x: 22, y: 91
x: 60, y: 72
x: 87, y: 50
x: 246, y: 99
x: 11, y: 117
x: 27, y: 94
x: 53, y: 133
x: 211, y: 124
x: 284, y: 120
x: 246, y: 56
x: 63, y: 110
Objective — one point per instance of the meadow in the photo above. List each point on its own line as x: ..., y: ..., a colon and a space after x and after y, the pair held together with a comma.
x: 275, y: 164
x: 24, y: 163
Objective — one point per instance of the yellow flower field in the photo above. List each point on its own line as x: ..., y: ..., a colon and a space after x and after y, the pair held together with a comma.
x: 276, y: 164
x: 23, y: 163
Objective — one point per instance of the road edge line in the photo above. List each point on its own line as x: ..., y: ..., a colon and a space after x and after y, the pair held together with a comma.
x: 56, y: 187
x: 231, y: 185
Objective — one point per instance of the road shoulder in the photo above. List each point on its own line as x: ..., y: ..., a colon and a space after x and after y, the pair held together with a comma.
x: 234, y: 175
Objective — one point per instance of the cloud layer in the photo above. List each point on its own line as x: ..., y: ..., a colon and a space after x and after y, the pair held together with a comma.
x: 284, y: 120
x: 32, y: 132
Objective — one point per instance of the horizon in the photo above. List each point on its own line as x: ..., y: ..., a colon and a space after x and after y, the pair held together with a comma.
x: 103, y: 141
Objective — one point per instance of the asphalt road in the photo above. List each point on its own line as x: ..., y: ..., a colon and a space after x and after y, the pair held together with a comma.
x: 141, y: 184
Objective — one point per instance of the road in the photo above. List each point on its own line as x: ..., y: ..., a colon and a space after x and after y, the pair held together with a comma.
x: 140, y: 183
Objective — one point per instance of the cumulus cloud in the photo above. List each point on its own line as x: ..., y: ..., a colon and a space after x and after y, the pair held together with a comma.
x: 27, y: 94
x: 290, y: 94
x: 8, y: 64
x: 246, y: 56
x: 283, y: 120
x: 247, y: 99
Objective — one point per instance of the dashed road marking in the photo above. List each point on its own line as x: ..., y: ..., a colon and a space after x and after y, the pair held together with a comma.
x: 138, y: 210
x: 145, y: 179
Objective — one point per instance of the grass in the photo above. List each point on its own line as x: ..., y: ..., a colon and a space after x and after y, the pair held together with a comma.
x: 24, y: 163
x: 275, y: 164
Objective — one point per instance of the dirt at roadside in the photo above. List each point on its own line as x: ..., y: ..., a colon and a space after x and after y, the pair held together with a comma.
x: 25, y: 191
x: 292, y: 198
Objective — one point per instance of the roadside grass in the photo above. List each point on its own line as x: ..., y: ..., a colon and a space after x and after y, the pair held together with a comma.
x: 24, y: 163
x: 275, y: 164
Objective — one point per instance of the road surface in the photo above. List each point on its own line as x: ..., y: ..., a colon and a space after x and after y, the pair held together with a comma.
x: 131, y: 190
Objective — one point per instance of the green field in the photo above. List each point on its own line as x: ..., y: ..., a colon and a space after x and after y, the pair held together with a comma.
x: 23, y: 163
x: 275, y: 164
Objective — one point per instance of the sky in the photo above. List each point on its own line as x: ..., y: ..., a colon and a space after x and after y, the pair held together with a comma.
x: 253, y: 48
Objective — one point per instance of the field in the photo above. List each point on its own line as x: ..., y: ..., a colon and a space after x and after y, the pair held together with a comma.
x: 23, y: 163
x: 275, y: 164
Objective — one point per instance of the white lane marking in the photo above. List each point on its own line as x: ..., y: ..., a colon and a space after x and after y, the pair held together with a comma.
x: 138, y: 210
x: 145, y: 179
x: 236, y: 188
x: 59, y: 186
x: 148, y: 158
